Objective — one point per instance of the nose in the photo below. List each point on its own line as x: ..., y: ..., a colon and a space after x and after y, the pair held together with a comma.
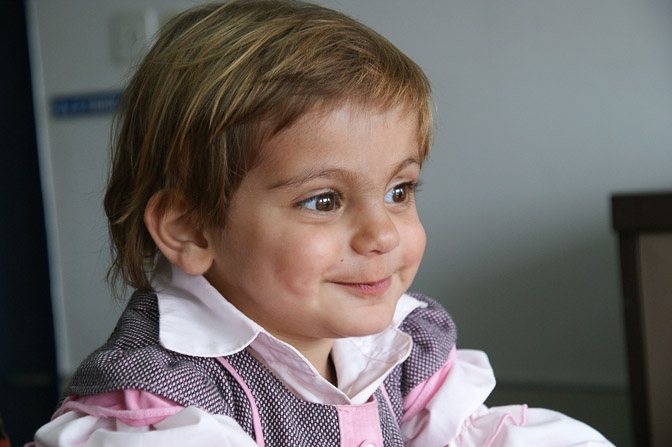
x: 375, y: 231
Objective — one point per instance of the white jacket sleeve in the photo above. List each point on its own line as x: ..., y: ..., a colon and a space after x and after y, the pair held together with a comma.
x: 189, y: 427
x: 456, y: 417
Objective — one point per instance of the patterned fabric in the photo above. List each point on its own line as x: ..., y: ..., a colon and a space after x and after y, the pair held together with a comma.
x: 284, y: 416
x: 389, y: 422
x: 434, y: 335
x: 133, y: 358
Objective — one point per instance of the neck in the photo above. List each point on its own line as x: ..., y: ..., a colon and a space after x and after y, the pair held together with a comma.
x: 330, y: 373
x: 318, y: 353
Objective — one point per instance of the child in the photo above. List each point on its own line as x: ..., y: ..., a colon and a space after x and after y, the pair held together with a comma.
x: 262, y: 204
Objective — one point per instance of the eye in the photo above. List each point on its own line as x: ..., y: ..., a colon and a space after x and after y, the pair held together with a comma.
x: 399, y: 193
x: 323, y: 202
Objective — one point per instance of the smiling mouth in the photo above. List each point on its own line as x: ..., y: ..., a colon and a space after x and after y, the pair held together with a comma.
x: 368, y: 288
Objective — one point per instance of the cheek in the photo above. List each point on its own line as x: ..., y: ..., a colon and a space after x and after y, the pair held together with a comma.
x: 414, y: 244
x: 304, y: 258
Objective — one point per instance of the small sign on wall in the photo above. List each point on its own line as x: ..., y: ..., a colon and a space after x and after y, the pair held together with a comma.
x: 84, y: 104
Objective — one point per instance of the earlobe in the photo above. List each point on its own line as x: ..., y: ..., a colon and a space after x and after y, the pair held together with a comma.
x: 175, y: 235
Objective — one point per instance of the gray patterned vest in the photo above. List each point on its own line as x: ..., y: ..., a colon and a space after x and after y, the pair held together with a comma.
x: 133, y: 358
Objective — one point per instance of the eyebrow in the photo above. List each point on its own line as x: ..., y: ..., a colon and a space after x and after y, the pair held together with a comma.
x: 329, y: 172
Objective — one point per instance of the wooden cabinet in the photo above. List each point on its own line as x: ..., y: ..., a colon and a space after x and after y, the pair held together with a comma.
x: 644, y: 226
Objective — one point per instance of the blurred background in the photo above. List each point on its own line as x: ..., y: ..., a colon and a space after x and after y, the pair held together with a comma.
x: 544, y: 110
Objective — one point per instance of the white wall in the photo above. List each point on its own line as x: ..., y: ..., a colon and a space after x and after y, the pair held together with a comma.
x: 544, y: 109
x: 71, y: 54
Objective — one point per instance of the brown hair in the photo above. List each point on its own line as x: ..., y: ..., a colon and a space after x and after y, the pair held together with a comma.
x: 220, y: 79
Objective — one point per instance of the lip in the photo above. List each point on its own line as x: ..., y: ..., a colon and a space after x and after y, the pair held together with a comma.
x: 368, y: 288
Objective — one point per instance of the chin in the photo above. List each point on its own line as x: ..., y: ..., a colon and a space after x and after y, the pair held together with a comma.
x: 371, y: 324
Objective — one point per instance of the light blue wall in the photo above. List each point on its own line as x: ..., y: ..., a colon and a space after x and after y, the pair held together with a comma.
x: 545, y: 108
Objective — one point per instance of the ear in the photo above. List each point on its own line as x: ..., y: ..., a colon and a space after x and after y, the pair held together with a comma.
x: 175, y: 235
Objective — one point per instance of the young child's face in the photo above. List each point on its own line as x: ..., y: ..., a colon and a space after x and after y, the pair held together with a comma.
x: 323, y: 235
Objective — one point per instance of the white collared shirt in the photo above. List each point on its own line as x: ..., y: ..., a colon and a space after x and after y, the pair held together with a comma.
x: 196, y: 320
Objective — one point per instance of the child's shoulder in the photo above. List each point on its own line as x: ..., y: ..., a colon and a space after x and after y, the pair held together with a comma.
x: 434, y: 335
x: 133, y: 358
x: 428, y: 322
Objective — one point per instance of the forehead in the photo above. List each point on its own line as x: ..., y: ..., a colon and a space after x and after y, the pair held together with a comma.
x: 344, y: 131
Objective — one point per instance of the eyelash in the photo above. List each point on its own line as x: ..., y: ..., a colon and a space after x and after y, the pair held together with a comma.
x: 411, y: 188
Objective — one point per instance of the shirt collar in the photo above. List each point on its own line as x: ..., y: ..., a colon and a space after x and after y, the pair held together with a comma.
x: 195, y: 319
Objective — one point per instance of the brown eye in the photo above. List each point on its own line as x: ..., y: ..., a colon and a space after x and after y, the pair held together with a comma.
x: 323, y: 202
x: 398, y: 194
